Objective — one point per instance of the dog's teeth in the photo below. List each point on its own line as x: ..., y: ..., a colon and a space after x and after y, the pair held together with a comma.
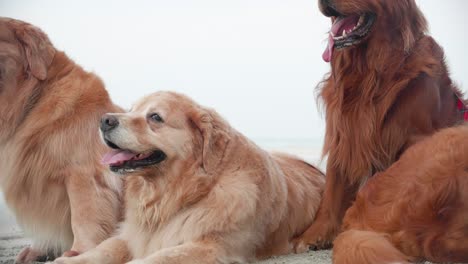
x: 339, y: 38
x: 344, y: 33
x: 361, y: 19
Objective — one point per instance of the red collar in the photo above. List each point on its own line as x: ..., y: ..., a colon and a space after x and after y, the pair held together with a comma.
x: 462, y: 108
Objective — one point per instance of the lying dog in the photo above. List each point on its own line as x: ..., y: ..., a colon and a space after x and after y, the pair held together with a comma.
x: 50, y: 149
x: 197, y: 191
x: 416, y: 210
x: 388, y: 88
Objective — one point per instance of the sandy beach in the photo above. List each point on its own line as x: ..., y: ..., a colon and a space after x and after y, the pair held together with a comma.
x: 11, y: 245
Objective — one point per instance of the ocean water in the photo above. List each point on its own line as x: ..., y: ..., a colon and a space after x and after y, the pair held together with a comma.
x: 307, y: 149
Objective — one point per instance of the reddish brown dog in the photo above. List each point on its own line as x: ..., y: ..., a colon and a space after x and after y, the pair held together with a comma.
x: 388, y: 88
x: 416, y: 210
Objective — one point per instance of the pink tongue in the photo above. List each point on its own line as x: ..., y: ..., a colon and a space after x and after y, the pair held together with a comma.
x: 346, y: 24
x: 327, y: 54
x: 117, y: 157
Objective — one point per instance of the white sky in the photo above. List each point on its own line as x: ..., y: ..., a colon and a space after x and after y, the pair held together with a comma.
x: 256, y: 61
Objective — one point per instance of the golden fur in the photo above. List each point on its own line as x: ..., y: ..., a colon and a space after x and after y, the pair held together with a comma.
x: 51, y: 177
x: 381, y: 96
x: 416, y: 210
x: 216, y: 198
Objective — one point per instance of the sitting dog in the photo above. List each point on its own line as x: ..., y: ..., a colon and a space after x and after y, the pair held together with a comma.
x: 50, y: 150
x: 198, y: 191
x: 388, y: 88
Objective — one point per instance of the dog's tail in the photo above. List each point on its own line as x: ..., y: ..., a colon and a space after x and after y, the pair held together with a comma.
x: 366, y: 247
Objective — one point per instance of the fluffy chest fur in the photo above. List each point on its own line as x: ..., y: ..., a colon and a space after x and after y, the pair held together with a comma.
x: 374, y: 114
x: 159, y: 217
x: 41, y: 206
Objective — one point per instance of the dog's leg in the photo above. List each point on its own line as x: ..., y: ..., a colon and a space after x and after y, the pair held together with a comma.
x: 112, y: 251
x: 94, y: 212
x: 203, y: 252
x: 29, y: 255
x: 337, y: 198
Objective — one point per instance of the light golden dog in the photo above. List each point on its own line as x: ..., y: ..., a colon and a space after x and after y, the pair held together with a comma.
x: 197, y: 191
x: 50, y: 149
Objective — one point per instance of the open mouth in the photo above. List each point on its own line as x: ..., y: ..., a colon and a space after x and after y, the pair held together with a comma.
x: 122, y: 161
x: 347, y: 31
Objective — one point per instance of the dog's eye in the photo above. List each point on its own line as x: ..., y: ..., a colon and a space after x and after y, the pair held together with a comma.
x: 156, y: 117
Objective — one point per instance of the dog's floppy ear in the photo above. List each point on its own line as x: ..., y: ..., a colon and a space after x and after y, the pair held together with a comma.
x: 37, y: 47
x: 215, y: 138
x: 409, y: 20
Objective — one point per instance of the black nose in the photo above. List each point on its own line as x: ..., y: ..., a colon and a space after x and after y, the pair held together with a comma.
x: 108, y: 122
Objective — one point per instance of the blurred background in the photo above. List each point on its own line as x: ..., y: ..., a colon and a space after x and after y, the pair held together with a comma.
x: 257, y: 62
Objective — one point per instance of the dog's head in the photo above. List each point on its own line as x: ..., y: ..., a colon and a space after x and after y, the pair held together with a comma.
x: 25, y: 52
x: 25, y: 55
x: 162, y: 131
x: 355, y: 23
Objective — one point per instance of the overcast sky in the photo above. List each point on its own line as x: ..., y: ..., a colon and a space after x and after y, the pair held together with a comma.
x: 256, y: 61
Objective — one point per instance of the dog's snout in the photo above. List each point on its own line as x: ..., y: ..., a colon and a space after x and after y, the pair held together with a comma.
x: 109, y: 122
x: 327, y: 8
x: 324, y: 3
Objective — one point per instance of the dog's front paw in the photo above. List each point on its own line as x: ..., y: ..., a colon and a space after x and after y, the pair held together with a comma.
x: 72, y: 260
x: 315, y: 238
x: 70, y: 253
x: 302, y: 245
x: 62, y: 260
x: 28, y: 255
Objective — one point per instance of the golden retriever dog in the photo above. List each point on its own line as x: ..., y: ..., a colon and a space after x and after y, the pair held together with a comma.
x: 197, y: 191
x: 51, y: 176
x: 416, y: 210
x: 388, y: 88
